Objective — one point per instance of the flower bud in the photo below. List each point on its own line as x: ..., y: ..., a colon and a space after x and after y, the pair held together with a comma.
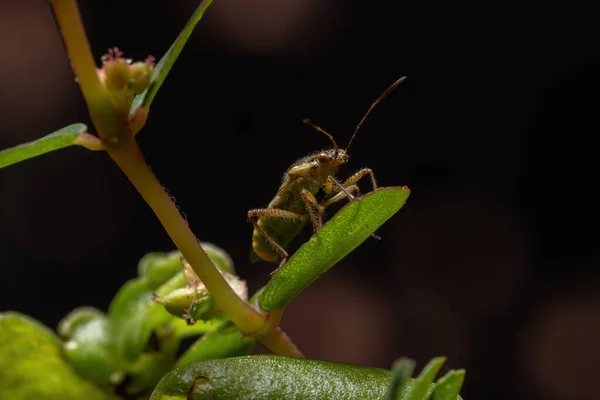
x: 193, y: 302
x: 141, y: 72
x: 116, y: 70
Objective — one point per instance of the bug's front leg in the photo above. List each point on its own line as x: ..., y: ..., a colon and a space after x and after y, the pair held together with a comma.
x: 333, y: 186
x: 347, y: 193
x: 360, y: 174
x: 346, y: 189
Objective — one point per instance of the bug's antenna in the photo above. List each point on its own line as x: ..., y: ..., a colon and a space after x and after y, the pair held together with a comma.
x: 381, y: 97
x: 323, y: 131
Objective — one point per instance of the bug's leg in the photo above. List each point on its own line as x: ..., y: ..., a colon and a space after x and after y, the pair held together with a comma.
x: 332, y: 186
x: 347, y: 188
x: 341, y: 195
x: 253, y: 216
x: 315, y: 210
x: 360, y: 174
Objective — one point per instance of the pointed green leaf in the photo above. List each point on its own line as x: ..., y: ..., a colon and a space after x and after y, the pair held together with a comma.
x: 163, y: 67
x: 351, y: 226
x: 32, y: 365
x: 448, y: 387
x: 62, y: 138
x: 223, y: 341
x: 401, y: 372
x: 422, y: 385
x: 268, y: 377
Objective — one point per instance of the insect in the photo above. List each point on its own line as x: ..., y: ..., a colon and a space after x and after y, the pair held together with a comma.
x: 308, y: 187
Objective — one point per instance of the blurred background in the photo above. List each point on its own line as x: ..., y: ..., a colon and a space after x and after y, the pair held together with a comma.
x: 494, y: 260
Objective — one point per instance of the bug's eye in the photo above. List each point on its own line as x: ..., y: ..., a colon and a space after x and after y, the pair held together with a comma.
x: 323, y: 157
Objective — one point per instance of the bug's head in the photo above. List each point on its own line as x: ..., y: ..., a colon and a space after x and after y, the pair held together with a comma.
x: 332, y: 157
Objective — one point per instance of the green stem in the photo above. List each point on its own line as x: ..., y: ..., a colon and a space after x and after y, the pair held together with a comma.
x: 90, y: 142
x: 107, y: 122
x: 72, y: 31
x: 280, y: 343
x: 248, y: 320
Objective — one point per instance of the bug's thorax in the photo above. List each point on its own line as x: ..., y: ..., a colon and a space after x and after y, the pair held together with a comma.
x: 308, y: 173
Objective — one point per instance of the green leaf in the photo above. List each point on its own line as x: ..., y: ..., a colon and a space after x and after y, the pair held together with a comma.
x: 219, y: 257
x: 32, y: 367
x: 129, y: 311
x: 180, y: 329
x: 401, y: 372
x: 351, y: 226
x: 62, y: 138
x: 422, y: 385
x: 147, y: 371
x: 448, y: 387
x: 158, y: 268
x: 163, y: 67
x: 223, y: 341
x: 266, y: 377
x: 88, y: 345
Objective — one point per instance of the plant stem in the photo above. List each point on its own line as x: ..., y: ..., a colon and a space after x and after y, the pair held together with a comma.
x: 104, y: 117
x: 90, y: 142
x: 280, y: 343
x: 248, y: 320
x: 72, y: 31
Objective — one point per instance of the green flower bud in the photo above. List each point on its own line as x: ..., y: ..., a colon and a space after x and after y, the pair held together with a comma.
x: 180, y: 300
x: 116, y: 70
x: 141, y: 72
x: 194, y: 302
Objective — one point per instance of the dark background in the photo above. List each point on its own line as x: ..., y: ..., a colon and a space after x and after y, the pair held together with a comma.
x: 493, y: 261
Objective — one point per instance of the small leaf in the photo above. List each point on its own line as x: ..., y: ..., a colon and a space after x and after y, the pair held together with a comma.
x: 223, y: 341
x: 128, y: 312
x: 401, y: 372
x: 163, y: 67
x: 180, y: 328
x: 158, y: 268
x: 267, y: 377
x: 219, y: 257
x: 32, y: 366
x: 88, y: 345
x: 147, y: 371
x: 351, y: 226
x: 448, y: 387
x: 64, y: 137
x: 422, y: 386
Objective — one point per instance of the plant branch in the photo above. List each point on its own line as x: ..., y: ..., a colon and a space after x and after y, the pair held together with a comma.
x: 104, y: 117
x: 72, y: 31
x: 248, y: 320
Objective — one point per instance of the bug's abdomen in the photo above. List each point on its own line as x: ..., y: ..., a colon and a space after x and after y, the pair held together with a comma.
x: 282, y: 231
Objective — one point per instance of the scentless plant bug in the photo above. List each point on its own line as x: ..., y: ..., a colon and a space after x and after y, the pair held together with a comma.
x: 308, y: 187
